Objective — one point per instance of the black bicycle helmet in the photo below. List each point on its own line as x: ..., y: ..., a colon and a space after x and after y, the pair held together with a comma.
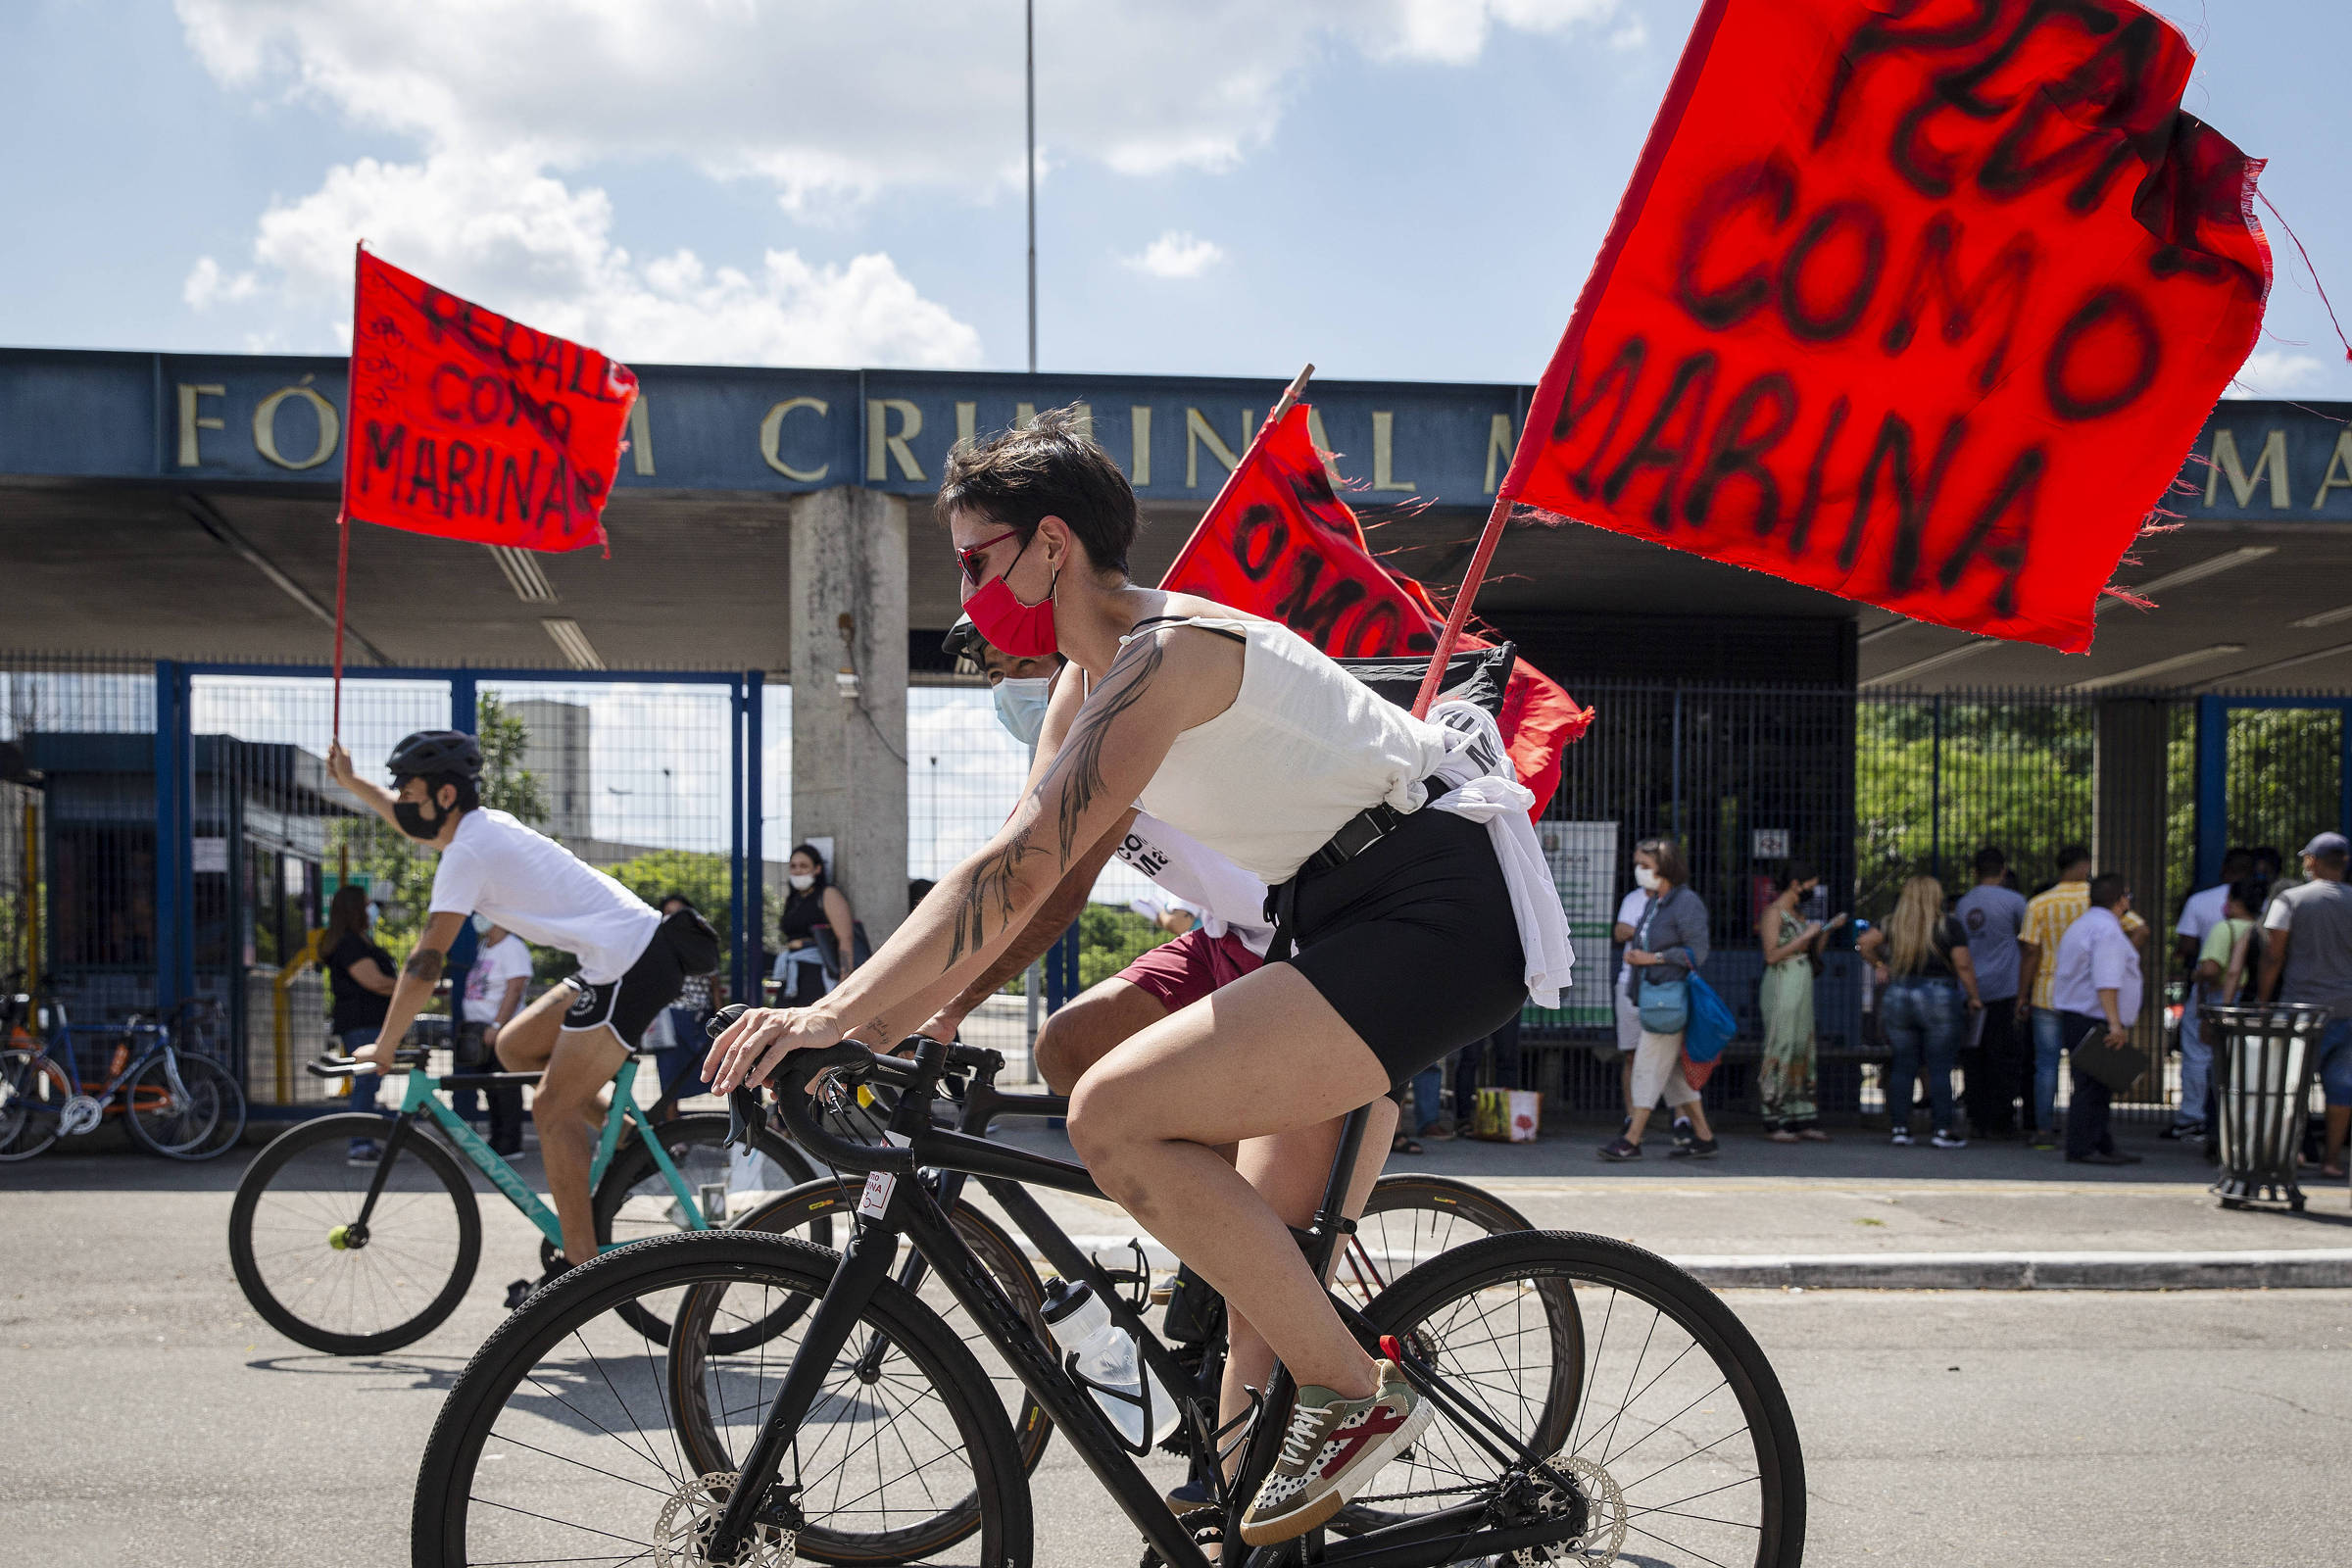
x: 963, y: 645
x: 432, y: 752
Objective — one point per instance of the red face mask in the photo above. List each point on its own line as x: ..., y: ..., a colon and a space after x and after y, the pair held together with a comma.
x: 1024, y: 631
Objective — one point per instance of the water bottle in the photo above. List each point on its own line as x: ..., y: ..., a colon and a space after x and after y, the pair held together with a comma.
x: 1107, y: 1365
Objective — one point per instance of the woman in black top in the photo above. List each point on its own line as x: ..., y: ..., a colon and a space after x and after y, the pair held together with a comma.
x: 358, y: 981
x: 814, y: 902
x: 1922, y: 960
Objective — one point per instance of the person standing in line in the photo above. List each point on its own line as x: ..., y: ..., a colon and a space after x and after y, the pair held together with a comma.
x: 2096, y: 986
x: 1669, y: 945
x: 1994, y: 913
x: 495, y: 983
x: 2230, y: 963
x: 704, y: 995
x: 2307, y: 960
x: 814, y: 902
x: 2048, y: 914
x: 358, y: 988
x: 1628, y: 1016
x: 2201, y: 912
x: 1784, y: 1081
x: 1922, y: 959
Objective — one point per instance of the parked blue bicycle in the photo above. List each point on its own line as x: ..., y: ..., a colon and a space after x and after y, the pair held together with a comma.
x: 160, y: 1078
x: 360, y: 1261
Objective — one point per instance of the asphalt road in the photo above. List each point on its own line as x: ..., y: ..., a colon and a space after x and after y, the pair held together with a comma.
x: 150, y: 1417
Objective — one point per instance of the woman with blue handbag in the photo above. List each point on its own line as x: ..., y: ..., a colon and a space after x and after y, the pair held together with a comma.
x: 1669, y: 945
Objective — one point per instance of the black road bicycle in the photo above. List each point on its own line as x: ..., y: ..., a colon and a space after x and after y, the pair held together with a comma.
x: 1593, y: 1403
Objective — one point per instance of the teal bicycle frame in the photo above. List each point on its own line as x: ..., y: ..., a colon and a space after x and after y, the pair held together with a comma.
x: 421, y: 1099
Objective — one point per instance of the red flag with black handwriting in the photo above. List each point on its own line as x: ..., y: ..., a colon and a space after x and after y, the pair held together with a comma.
x: 470, y: 426
x: 1921, y: 302
x: 1281, y: 544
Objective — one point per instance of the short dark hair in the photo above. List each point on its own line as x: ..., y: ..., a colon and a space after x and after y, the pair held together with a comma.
x: 1792, y: 874
x: 2070, y: 856
x: 1671, y: 864
x: 2237, y: 863
x: 2107, y: 889
x: 674, y: 897
x: 470, y: 792
x: 2251, y: 893
x: 1049, y: 469
x: 1990, y: 862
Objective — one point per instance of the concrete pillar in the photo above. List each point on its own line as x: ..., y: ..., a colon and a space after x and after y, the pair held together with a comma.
x: 849, y: 741
x: 2127, y: 835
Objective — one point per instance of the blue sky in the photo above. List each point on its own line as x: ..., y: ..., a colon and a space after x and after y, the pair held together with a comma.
x: 1393, y: 188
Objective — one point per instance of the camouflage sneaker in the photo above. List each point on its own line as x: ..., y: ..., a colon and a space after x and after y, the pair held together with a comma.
x: 1332, y: 1448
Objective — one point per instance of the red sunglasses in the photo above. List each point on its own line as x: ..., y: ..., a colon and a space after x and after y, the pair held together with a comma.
x: 969, y: 559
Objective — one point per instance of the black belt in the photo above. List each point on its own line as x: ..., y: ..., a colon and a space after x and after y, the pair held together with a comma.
x: 1357, y: 834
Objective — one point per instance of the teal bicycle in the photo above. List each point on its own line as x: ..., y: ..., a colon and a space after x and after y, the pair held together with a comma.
x: 357, y: 1261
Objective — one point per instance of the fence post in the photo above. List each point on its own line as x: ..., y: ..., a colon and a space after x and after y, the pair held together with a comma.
x: 1673, y: 800
x: 1935, y: 793
x: 465, y: 708
x: 174, y: 825
x: 2213, y: 788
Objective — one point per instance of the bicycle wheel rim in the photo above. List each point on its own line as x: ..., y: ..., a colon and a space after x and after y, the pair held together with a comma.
x: 198, y: 1120
x: 1657, y: 1401
x: 1410, y: 1219
x: 635, y: 1202
x: 422, y: 1242
x: 33, y: 1090
x: 559, y: 1442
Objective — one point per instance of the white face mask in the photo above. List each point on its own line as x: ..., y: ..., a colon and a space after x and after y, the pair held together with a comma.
x: 801, y: 881
x: 1021, y: 706
x: 1646, y: 878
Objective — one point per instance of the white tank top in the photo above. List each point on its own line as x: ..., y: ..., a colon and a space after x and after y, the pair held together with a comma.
x: 1303, y: 748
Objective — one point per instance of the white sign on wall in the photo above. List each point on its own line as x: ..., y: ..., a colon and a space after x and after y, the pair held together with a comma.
x: 207, y: 854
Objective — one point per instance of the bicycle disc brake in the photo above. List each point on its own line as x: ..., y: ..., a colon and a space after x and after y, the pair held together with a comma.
x: 82, y: 1113
x: 684, y: 1528
x: 1604, y: 1516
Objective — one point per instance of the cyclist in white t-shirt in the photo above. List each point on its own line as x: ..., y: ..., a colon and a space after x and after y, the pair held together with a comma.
x: 633, y: 962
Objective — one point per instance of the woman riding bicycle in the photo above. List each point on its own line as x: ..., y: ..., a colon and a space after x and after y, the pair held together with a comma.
x: 1241, y: 734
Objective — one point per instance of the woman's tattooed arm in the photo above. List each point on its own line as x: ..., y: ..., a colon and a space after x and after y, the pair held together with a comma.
x: 988, y: 905
x: 1081, y: 761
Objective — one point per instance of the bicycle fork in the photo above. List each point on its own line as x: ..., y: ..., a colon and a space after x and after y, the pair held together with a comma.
x: 355, y: 1233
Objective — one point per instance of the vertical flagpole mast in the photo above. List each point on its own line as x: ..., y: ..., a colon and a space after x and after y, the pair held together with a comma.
x: 342, y: 578
x: 1029, y: 83
x: 343, y: 511
x: 1461, y: 605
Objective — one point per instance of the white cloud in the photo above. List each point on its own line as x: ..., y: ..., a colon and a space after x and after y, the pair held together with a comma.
x: 502, y: 230
x: 1454, y: 33
x: 2276, y: 373
x: 1176, y: 254
x: 208, y: 286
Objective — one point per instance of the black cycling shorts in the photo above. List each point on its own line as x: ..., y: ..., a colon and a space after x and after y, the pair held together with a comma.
x: 1413, y: 942
x: 629, y: 1005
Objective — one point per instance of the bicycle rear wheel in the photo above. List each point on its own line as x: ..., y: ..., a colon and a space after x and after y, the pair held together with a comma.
x: 557, y: 1444
x: 33, y: 1090
x: 320, y: 1282
x: 1410, y: 1219
x: 184, y: 1106
x: 1634, y: 1381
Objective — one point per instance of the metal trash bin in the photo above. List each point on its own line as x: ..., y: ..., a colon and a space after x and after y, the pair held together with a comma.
x: 2263, y: 1062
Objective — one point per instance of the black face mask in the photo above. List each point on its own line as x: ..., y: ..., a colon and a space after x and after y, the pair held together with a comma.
x: 409, y: 814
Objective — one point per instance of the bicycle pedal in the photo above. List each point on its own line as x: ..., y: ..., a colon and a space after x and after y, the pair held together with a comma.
x: 518, y: 1292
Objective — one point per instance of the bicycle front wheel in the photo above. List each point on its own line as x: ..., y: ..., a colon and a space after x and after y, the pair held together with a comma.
x: 320, y: 1279
x: 1649, y: 1399
x: 33, y: 1090
x: 557, y: 1443
x: 184, y: 1107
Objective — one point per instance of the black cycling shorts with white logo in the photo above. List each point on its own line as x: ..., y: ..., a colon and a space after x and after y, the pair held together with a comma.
x: 629, y: 1005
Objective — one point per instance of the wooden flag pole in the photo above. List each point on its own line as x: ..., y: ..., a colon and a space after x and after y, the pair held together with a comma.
x: 1282, y: 406
x: 1468, y: 591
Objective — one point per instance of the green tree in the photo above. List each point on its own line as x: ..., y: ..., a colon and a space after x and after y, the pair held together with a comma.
x: 706, y: 880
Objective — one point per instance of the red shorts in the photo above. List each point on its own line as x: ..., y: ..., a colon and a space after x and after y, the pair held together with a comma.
x: 1181, y: 972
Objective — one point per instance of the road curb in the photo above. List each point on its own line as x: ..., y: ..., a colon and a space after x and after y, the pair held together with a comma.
x: 2284, y: 1269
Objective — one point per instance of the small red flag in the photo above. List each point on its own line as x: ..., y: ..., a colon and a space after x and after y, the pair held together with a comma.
x: 1281, y: 544
x: 472, y: 425
x: 1921, y: 302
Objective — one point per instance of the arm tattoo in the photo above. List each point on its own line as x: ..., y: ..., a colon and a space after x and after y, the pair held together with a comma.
x: 990, y: 895
x: 1128, y: 679
x: 425, y: 965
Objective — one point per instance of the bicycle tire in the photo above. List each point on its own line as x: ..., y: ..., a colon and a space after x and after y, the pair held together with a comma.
x: 310, y: 1153
x: 1600, y: 1276
x: 33, y: 1090
x: 1379, y: 1253
x: 822, y: 1213
x: 633, y: 1172
x: 553, y: 1404
x: 206, y: 1125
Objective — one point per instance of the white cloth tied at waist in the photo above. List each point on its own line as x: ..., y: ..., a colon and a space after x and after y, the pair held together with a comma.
x: 1484, y: 787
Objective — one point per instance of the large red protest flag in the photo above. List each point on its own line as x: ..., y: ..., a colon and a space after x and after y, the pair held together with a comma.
x: 1921, y: 302
x: 1281, y: 544
x: 470, y: 426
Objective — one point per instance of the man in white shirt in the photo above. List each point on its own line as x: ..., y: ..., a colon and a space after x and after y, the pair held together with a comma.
x: 2096, y: 991
x: 633, y: 963
x: 494, y: 989
x: 2201, y: 912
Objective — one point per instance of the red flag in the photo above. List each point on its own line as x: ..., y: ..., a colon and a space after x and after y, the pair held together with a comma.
x: 1921, y: 302
x: 1280, y: 544
x: 470, y: 426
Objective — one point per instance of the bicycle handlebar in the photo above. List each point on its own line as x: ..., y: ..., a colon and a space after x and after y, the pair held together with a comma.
x: 345, y: 1067
x: 797, y: 1106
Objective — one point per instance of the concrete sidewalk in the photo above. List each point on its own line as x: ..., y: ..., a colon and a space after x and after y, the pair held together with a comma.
x: 1860, y: 1213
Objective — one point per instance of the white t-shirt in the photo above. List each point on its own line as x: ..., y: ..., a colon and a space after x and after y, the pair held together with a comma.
x: 539, y: 890
x: 1628, y: 912
x: 486, y: 981
x: 1228, y: 897
x: 2202, y: 911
